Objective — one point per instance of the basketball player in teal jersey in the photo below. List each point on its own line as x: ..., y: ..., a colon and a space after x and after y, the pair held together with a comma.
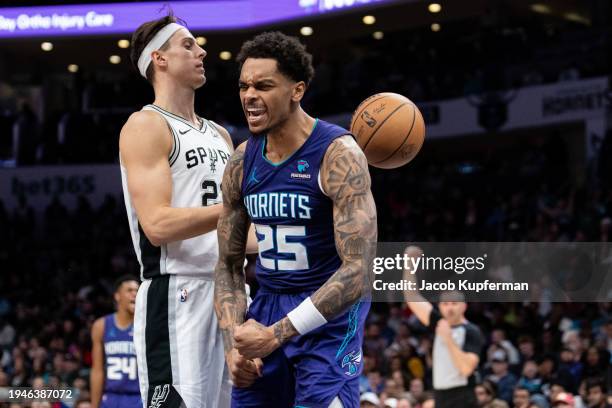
x: 114, y: 377
x: 304, y: 184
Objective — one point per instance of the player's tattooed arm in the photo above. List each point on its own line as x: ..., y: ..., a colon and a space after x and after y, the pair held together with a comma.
x: 346, y: 180
x: 232, y: 232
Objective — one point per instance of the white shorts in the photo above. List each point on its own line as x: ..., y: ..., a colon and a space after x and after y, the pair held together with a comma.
x: 179, y: 348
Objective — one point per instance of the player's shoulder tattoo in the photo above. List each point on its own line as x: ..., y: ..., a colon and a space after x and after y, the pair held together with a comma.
x: 345, y: 173
x: 345, y: 169
x: 232, y: 177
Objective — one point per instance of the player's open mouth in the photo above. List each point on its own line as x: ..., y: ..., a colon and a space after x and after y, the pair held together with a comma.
x: 255, y: 115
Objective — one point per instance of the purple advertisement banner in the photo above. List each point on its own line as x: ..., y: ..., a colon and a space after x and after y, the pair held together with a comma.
x: 202, y: 15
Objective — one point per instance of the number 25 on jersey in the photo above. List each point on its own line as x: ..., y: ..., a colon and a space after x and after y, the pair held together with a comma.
x: 280, y: 239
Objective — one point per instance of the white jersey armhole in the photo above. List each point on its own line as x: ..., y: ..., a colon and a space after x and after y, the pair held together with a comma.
x: 175, y: 142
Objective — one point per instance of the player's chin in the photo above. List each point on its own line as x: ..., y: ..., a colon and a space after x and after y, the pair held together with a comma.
x: 200, y: 81
x: 256, y: 130
x: 258, y: 126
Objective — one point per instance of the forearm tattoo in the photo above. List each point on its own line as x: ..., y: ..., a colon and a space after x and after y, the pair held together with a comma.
x: 232, y: 232
x: 284, y: 330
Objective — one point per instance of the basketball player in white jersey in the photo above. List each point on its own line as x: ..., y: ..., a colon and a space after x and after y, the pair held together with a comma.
x: 172, y: 162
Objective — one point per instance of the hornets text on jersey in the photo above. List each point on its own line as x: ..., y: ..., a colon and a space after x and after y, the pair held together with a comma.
x: 121, y: 372
x: 293, y: 217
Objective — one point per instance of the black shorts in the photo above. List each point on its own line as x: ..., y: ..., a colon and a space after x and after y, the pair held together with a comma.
x: 460, y: 397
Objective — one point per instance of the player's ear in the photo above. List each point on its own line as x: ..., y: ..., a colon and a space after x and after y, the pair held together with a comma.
x: 298, y: 91
x: 159, y: 59
x: 116, y: 297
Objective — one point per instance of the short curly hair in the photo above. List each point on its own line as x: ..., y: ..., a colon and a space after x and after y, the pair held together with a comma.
x: 290, y: 54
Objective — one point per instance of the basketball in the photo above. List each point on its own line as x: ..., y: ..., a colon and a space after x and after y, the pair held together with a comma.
x: 389, y: 129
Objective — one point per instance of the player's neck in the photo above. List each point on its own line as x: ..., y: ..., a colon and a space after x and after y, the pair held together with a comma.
x: 283, y: 141
x: 123, y: 319
x: 176, y: 100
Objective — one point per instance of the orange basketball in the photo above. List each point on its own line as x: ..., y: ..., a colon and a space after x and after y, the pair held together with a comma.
x: 389, y: 129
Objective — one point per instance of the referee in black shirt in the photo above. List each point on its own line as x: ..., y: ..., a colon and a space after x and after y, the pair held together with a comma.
x: 457, y: 344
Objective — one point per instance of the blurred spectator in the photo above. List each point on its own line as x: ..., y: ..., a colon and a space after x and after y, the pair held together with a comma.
x: 428, y: 401
x: 546, y: 370
x: 375, y: 382
x: 500, y: 375
x: 369, y: 400
x: 390, y: 403
x: 486, y: 394
x: 538, y: 401
x: 404, y: 403
x: 569, y: 362
x: 520, y: 398
x: 374, y: 343
x: 526, y: 348
x: 25, y: 136
x: 559, y: 387
x: 498, y: 339
x: 4, y: 379
x: 416, y: 391
x: 595, y: 364
x: 563, y: 400
x: 529, y: 379
x: 7, y: 333
x: 596, y: 393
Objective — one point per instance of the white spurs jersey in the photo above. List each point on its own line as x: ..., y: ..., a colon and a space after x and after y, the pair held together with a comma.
x: 197, y: 161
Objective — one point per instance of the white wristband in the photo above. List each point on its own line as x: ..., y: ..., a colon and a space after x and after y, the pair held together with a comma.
x: 306, y: 317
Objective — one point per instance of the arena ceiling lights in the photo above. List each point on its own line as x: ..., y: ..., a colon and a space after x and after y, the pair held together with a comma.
x: 201, y: 15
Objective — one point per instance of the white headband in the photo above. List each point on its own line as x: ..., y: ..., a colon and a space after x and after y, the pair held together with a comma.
x: 155, y: 44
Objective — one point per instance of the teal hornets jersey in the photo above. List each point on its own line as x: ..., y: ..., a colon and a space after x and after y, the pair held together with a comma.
x: 293, y: 217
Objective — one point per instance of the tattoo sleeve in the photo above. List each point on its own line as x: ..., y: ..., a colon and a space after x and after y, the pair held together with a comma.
x: 232, y: 231
x: 346, y: 180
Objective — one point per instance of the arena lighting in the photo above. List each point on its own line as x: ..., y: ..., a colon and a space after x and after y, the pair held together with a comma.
x: 435, y: 27
x: 225, y: 55
x: 201, y: 41
x: 46, y: 46
x: 434, y: 7
x: 369, y: 20
x: 540, y: 8
x: 123, y: 43
x: 73, y: 68
x: 576, y: 18
x: 114, y: 59
x: 306, y: 31
x: 378, y: 35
